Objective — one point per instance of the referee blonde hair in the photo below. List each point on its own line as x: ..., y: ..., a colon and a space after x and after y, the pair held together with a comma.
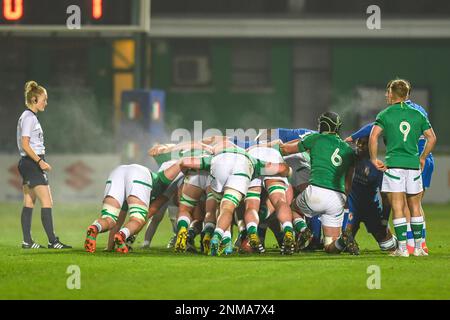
x: 32, y: 92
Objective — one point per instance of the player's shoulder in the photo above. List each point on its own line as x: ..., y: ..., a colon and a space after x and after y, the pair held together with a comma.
x: 417, y: 107
x: 385, y: 111
x: 311, y: 137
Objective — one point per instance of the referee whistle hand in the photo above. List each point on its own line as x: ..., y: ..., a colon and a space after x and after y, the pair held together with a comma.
x: 45, y: 166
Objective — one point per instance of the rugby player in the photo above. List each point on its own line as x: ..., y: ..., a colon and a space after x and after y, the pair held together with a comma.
x: 332, y: 167
x: 402, y: 126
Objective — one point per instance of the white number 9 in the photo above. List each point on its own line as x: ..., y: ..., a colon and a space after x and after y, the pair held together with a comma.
x: 336, y: 159
x: 405, y: 127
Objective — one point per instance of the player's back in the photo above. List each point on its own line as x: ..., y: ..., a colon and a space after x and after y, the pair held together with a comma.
x: 331, y: 157
x: 402, y: 127
x: 366, y: 181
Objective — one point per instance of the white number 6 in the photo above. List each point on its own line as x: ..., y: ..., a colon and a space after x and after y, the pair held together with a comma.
x: 336, y: 159
x: 405, y: 127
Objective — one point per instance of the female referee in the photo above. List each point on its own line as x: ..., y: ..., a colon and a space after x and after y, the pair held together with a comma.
x: 33, y: 168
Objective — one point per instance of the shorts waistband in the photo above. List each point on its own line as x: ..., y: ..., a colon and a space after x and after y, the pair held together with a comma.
x: 42, y: 156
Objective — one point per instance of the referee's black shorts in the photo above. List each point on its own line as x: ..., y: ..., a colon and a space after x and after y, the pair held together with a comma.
x: 31, y: 173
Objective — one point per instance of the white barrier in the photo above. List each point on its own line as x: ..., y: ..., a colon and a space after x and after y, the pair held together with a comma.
x: 439, y: 191
x: 81, y: 178
x: 74, y: 178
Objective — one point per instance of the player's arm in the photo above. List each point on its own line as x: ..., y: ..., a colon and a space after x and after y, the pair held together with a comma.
x: 290, y: 134
x: 349, y: 180
x: 190, y: 145
x: 30, y: 153
x: 276, y: 169
x: 195, y: 163
x: 431, y: 142
x: 290, y: 147
x: 361, y: 133
x: 156, y: 204
x: 270, y: 144
x: 214, y: 139
x: 373, y: 147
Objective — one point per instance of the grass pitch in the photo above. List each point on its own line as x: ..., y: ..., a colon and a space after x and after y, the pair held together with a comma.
x: 160, y: 274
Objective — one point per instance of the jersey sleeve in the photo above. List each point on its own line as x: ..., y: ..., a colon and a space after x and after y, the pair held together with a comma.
x: 287, y: 135
x: 205, y: 163
x: 259, y: 168
x: 425, y: 123
x: 28, y: 124
x: 363, y: 132
x: 380, y: 121
x: 306, y: 143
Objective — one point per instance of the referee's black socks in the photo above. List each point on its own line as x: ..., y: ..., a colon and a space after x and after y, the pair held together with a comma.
x: 47, y: 222
x: 26, y: 224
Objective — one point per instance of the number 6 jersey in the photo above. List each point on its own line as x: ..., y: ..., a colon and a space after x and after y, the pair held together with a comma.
x: 331, y: 157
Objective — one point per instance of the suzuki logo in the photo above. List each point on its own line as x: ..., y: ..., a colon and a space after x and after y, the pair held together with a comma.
x: 79, y: 174
x: 16, y: 180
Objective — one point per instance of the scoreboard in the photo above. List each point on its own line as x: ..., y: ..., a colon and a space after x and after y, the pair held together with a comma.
x: 95, y: 15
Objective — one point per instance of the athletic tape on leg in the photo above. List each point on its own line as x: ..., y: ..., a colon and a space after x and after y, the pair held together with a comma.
x: 138, y: 211
x: 111, y: 212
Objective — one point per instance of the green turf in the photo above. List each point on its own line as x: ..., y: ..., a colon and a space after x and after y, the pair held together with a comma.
x: 160, y: 274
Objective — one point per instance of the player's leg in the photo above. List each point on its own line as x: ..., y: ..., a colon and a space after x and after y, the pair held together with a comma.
x: 138, y: 210
x: 251, y: 218
x: 394, y: 185
x: 277, y: 195
x: 202, y: 181
x: 300, y: 208
x: 109, y: 217
x: 424, y: 233
x: 119, y: 223
x: 226, y: 246
x: 209, y: 223
x: 414, y: 189
x: 335, y: 241
x: 137, y: 186
x: 156, y: 213
x: 190, y: 196
x: 352, y: 223
x: 409, y: 233
x: 397, y: 202
x: 230, y: 201
x: 196, y: 226
x: 427, y: 175
x: 413, y: 201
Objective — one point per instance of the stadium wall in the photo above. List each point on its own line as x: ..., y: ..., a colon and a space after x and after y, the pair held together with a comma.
x: 374, y: 63
x: 221, y: 106
x: 74, y: 177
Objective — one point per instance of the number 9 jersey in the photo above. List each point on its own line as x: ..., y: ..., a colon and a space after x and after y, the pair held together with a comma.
x: 331, y: 157
x: 402, y: 127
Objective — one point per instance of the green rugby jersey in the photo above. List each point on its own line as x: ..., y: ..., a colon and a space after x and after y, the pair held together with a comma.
x: 402, y: 127
x: 331, y: 157
x: 175, y: 155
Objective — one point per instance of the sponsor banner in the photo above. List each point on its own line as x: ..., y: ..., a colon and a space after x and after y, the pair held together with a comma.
x: 73, y: 178
x: 81, y: 178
